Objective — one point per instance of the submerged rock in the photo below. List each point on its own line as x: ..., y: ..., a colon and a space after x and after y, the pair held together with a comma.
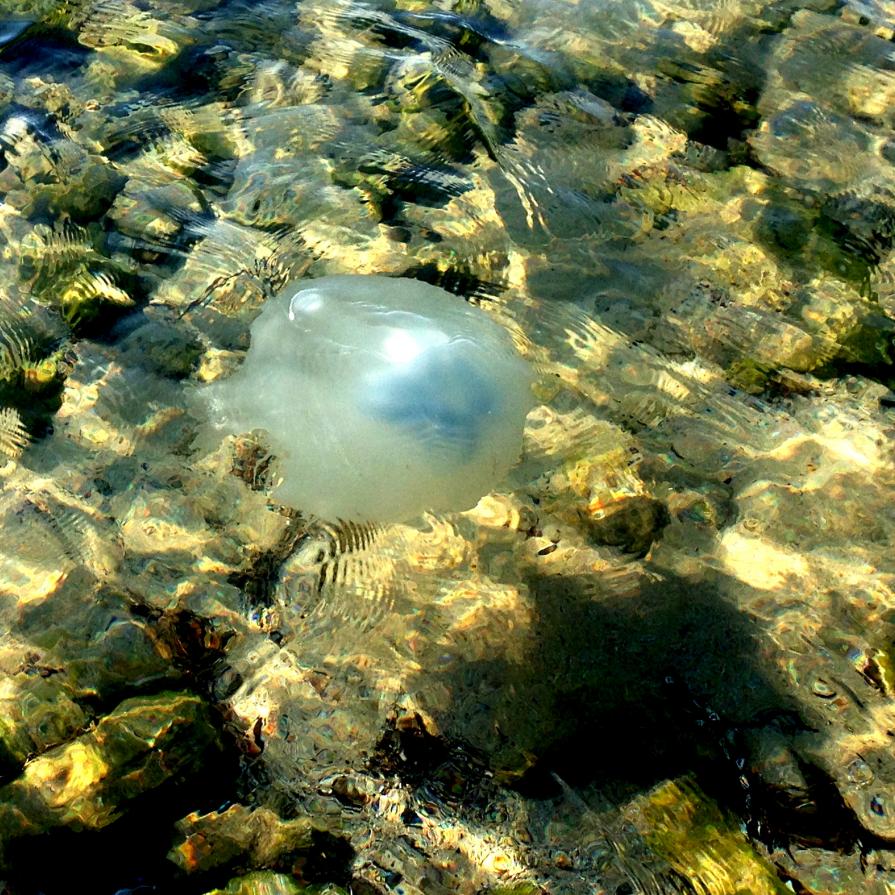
x: 823, y: 872
x: 146, y: 742
x: 35, y: 715
x: 256, y: 837
x: 631, y: 524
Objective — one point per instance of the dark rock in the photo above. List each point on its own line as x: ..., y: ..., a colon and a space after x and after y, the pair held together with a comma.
x: 632, y: 524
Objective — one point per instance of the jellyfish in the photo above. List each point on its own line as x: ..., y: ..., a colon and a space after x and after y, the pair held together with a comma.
x: 380, y: 397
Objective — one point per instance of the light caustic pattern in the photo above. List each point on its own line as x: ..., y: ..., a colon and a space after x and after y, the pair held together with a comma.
x: 679, y: 215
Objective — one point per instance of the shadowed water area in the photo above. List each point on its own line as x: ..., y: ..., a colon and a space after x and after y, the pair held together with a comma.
x: 658, y: 656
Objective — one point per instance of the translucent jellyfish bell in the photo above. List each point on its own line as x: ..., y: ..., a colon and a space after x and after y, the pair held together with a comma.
x: 381, y: 397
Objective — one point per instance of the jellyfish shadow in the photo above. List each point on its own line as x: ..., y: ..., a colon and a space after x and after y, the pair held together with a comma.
x: 621, y: 689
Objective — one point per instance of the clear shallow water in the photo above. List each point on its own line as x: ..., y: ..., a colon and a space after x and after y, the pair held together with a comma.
x: 673, y: 619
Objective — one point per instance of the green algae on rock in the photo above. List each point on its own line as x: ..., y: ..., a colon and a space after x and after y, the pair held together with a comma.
x: 257, y: 837
x: 86, y: 784
x: 35, y: 715
x: 682, y: 825
x: 266, y: 882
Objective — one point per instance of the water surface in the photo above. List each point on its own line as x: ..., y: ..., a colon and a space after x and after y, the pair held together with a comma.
x: 659, y: 657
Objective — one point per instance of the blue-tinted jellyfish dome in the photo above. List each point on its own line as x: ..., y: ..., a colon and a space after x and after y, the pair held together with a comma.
x: 381, y: 397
